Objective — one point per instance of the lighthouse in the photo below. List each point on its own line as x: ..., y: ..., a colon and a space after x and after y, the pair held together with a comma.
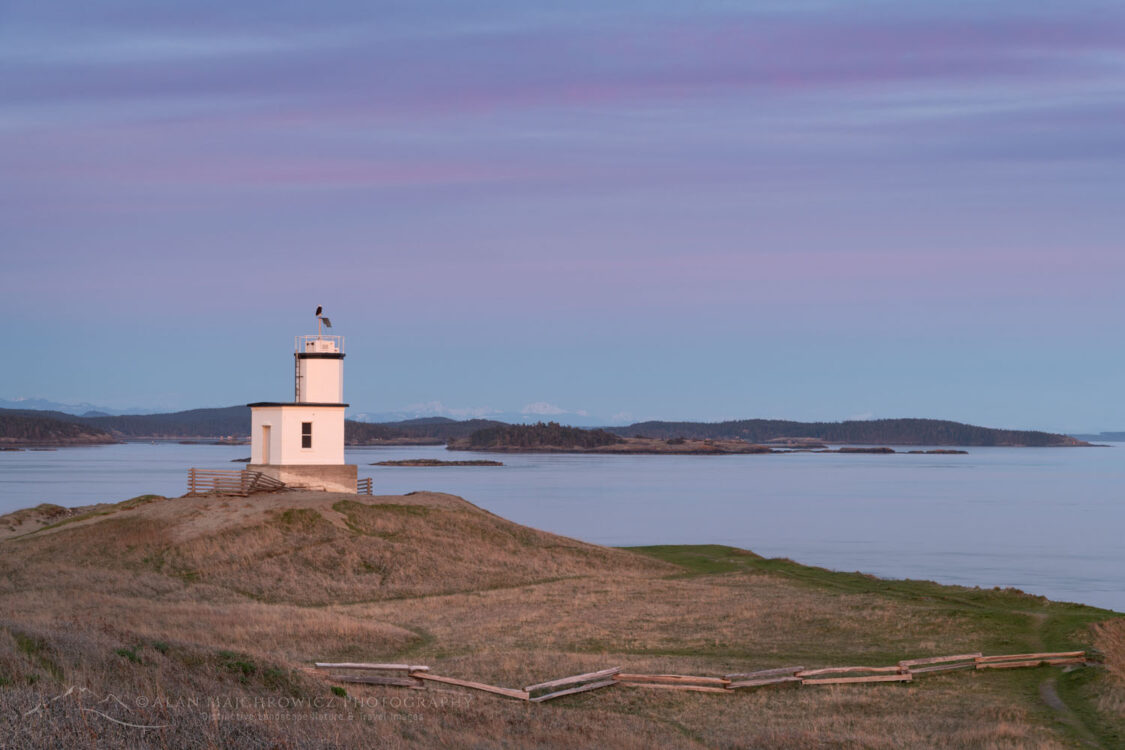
x: 301, y: 442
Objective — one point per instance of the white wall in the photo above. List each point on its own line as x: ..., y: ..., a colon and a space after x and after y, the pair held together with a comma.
x: 264, y: 415
x: 322, y: 381
x: 285, y: 434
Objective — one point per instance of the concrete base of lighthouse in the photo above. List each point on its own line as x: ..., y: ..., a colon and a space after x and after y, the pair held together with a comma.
x: 327, y: 477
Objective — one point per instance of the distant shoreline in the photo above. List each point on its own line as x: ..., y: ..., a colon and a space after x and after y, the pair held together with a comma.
x: 653, y: 446
x: 26, y: 427
x: 13, y: 447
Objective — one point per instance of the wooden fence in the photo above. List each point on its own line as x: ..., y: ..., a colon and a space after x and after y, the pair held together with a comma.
x: 230, y: 482
x: 405, y: 675
x: 363, y: 486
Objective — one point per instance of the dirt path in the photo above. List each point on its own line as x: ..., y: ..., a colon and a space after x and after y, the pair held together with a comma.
x: 1050, y: 696
x: 1048, y: 691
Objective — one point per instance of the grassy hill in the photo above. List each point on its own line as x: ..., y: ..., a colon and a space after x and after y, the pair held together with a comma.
x: 189, y: 599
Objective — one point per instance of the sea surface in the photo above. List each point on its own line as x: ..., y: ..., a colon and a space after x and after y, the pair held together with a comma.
x: 1049, y: 521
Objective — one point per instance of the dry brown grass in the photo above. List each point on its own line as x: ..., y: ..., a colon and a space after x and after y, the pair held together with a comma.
x: 735, y: 621
x: 1109, y: 638
x: 204, y: 597
x: 279, y: 631
x: 314, y: 548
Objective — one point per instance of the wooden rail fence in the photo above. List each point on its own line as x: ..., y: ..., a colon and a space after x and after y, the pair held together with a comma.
x: 405, y: 675
x: 363, y: 486
x: 230, y: 482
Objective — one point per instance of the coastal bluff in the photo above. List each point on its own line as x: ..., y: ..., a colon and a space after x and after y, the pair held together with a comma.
x: 241, y: 597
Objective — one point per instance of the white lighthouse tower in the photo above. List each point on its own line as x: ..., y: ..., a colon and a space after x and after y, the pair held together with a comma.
x: 301, y: 442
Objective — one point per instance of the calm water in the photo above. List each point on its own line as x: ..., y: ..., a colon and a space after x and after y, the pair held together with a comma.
x: 1049, y: 521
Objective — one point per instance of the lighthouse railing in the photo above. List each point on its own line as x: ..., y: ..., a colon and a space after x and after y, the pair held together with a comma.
x: 313, y: 343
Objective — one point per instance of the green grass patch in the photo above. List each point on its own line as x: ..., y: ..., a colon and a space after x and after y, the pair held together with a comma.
x: 130, y: 654
x: 270, y: 677
x: 1079, y: 690
x: 28, y: 645
x: 351, y: 507
x: 155, y: 560
x: 356, y: 515
x: 240, y: 664
x: 38, y: 650
x: 1018, y: 621
x: 339, y: 691
x: 1064, y: 622
x: 282, y: 680
x: 301, y: 519
x: 1014, y: 621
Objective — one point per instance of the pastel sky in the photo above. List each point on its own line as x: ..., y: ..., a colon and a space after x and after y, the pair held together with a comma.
x: 808, y: 210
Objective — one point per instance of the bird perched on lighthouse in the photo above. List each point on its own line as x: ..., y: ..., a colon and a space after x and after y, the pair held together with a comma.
x: 321, y: 318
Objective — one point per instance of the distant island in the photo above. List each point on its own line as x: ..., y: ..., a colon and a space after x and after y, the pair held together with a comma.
x: 1110, y: 437
x: 33, y: 427
x: 226, y: 422
x: 855, y: 432
x: 424, y: 431
x: 551, y: 437
x: 18, y: 431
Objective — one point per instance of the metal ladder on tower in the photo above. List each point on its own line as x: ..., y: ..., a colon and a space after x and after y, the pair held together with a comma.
x: 296, y: 379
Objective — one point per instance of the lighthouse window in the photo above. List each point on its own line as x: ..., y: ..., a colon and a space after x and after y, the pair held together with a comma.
x: 306, y: 434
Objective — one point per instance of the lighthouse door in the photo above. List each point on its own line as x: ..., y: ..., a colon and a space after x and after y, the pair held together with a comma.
x: 265, y: 443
